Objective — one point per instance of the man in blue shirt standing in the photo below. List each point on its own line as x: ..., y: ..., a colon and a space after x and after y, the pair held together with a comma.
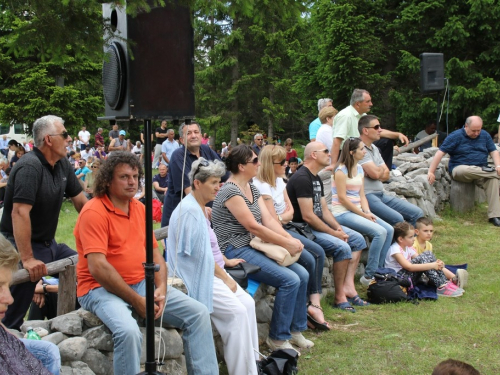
x: 4, y: 145
x: 469, y: 148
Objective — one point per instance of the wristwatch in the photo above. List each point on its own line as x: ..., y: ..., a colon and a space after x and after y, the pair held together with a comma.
x: 44, y: 288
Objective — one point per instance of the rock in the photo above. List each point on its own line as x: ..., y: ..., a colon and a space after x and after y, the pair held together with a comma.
x: 90, y: 320
x: 428, y: 189
x: 66, y: 370
x: 430, y: 152
x: 98, y: 362
x: 421, y: 171
x: 174, y: 367
x: 404, y: 167
x: 16, y: 333
x: 263, y: 312
x: 72, y: 349
x: 406, y: 189
x: 55, y: 338
x: 45, y: 324
x: 263, y: 330
x: 413, y: 158
x: 171, y: 346
x: 99, y: 338
x: 81, y: 368
x: 70, y: 324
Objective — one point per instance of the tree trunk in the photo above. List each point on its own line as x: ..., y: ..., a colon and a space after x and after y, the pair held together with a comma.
x: 234, y: 80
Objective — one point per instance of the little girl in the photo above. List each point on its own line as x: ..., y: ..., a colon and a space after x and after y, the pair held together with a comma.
x: 403, y: 258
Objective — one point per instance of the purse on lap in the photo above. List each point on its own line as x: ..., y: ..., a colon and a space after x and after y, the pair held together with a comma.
x: 275, y: 252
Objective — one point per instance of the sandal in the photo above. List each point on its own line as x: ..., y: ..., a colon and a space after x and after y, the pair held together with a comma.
x: 357, y: 301
x: 313, y: 323
x: 346, y: 306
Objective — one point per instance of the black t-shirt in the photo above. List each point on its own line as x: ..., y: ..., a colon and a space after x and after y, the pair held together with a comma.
x: 303, y: 184
x: 33, y: 181
x: 159, y: 140
x: 162, y: 181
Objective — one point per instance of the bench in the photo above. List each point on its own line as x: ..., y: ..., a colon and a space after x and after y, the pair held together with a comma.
x: 463, y: 195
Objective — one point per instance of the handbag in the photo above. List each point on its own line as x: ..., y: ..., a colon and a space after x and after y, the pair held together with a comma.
x: 279, y: 362
x: 274, y: 252
x: 300, y: 228
x: 241, y: 271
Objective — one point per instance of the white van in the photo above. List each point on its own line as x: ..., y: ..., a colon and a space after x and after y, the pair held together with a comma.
x: 15, y: 131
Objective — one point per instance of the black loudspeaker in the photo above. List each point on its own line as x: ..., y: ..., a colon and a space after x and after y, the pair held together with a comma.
x: 148, y: 69
x: 431, y: 72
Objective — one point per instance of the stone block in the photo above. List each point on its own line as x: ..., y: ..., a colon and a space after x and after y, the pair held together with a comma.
x: 99, y: 338
x: 69, y: 324
x: 462, y: 196
x: 98, y: 362
x: 55, y: 338
x: 81, y: 368
x: 66, y: 370
x: 174, y: 367
x: 45, y: 324
x: 263, y: 311
x: 417, y: 172
x: 171, y: 344
x: 406, y: 189
x: 410, y: 157
x: 403, y: 167
x: 90, y: 320
x: 16, y: 333
x: 263, y: 330
x: 72, y: 349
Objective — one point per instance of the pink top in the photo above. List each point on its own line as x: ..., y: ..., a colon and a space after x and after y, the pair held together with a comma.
x: 215, y: 246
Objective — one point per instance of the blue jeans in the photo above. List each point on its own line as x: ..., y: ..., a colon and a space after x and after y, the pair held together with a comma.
x: 380, y: 232
x: 182, y: 312
x: 338, y: 249
x: 46, y: 352
x: 290, y: 310
x: 313, y: 260
x: 393, y: 210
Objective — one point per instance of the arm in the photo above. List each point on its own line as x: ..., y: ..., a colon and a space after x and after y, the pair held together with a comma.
x: 415, y: 267
x: 21, y: 224
x: 160, y: 281
x: 376, y: 172
x: 112, y: 145
x: 157, y: 186
x: 395, y: 135
x: 435, y: 162
x: 79, y: 201
x: 496, y: 159
x: 224, y: 276
x: 164, y: 156
x: 329, y: 225
x: 334, y: 153
x: 340, y: 183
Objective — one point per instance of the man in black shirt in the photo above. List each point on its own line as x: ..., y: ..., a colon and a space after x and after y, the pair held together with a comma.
x: 161, y: 135
x: 33, y: 200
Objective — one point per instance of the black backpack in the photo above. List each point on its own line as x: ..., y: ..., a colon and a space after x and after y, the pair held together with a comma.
x: 387, y: 288
x: 279, y: 362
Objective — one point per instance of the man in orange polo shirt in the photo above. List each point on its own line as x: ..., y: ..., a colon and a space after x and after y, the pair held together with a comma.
x: 111, y: 241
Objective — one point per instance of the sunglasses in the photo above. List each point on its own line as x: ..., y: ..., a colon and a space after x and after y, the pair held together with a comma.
x: 326, y: 151
x: 254, y: 161
x: 282, y: 163
x: 376, y: 127
x: 63, y: 134
x: 259, y: 139
x: 202, y: 163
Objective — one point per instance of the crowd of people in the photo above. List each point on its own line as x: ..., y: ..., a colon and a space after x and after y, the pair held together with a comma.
x: 220, y: 208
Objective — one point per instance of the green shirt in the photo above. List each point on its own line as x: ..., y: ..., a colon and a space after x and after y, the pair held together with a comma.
x: 345, y: 124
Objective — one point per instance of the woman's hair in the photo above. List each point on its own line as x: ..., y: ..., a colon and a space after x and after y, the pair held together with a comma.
x: 346, y: 158
x: 401, y: 229
x: 267, y: 156
x: 327, y: 112
x: 238, y: 155
x: 107, y: 170
x: 288, y: 141
x: 203, y: 169
x: 454, y: 367
x: 20, y: 149
x: 9, y: 257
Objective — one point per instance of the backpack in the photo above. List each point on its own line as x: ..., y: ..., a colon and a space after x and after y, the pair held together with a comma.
x: 279, y: 362
x: 388, y: 287
x: 156, y: 208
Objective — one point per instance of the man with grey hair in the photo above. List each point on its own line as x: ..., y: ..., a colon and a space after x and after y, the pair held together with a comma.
x: 178, y: 183
x: 258, y: 140
x: 99, y: 139
x: 33, y: 199
x: 346, y: 125
x: 316, y: 124
x: 469, y: 148
x: 168, y: 147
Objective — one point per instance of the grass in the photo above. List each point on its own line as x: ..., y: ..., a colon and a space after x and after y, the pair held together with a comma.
x: 405, y: 338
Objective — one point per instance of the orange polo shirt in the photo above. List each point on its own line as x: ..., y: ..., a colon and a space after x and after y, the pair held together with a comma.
x: 102, y: 228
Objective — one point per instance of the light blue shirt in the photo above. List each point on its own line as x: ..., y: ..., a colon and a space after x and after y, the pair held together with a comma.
x: 4, y: 143
x: 313, y: 128
x: 189, y: 251
x: 168, y: 147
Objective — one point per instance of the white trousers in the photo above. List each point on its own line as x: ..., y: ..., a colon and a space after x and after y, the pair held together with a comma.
x: 234, y: 318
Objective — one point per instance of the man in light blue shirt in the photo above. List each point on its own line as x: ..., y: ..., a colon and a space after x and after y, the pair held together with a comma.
x: 4, y: 145
x: 316, y: 124
x: 168, y: 146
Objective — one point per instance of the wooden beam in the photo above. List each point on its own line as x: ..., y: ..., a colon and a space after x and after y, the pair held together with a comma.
x: 21, y: 276
x: 66, y: 295
x: 412, y: 145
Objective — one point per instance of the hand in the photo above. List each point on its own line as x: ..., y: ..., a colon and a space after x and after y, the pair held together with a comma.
x: 159, y: 301
x: 39, y: 299
x: 431, y: 177
x: 370, y: 216
x: 233, y: 262
x: 208, y: 211
x: 231, y: 284
x: 440, y: 263
x: 403, y: 139
x: 140, y: 306
x: 36, y: 268
x: 294, y: 246
x: 339, y: 233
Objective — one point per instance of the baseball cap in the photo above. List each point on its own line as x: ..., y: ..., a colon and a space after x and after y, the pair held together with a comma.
x: 122, y: 132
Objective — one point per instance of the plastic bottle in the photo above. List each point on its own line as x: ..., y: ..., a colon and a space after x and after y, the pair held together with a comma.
x: 32, y: 335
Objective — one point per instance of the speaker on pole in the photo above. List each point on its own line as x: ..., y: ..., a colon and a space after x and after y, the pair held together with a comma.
x: 148, y: 69
x: 431, y: 72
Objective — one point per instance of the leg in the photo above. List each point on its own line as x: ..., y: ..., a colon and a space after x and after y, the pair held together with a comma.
x: 157, y: 155
x: 193, y: 318
x: 46, y: 352
x: 116, y: 314
x: 410, y: 212
x: 436, y: 277
x: 231, y: 318
x: 349, y: 288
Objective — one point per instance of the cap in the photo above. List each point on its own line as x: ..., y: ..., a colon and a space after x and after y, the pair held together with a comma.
x: 122, y: 132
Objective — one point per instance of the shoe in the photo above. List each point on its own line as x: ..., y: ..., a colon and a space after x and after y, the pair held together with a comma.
x: 357, y: 301
x: 346, y: 306
x: 495, y: 221
x: 299, y: 340
x: 364, y: 281
x: 454, y: 286
x: 462, y: 276
x: 286, y: 345
x: 448, y: 291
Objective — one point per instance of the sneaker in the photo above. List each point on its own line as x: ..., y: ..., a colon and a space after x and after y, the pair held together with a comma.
x: 462, y: 276
x: 286, y: 345
x: 364, y: 281
x: 299, y: 340
x: 454, y: 286
x: 448, y: 291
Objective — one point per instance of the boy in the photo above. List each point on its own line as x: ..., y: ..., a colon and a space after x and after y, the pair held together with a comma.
x: 423, y: 234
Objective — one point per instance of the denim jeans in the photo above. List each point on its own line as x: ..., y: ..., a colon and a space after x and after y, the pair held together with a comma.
x: 393, y: 210
x: 181, y: 312
x: 290, y: 310
x: 380, y: 232
x: 313, y: 260
x: 46, y: 352
x: 338, y: 249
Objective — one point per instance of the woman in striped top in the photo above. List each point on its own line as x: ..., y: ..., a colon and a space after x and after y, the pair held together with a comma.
x: 238, y: 214
x: 350, y: 208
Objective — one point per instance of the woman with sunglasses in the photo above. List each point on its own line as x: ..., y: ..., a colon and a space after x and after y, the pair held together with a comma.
x: 350, y: 208
x: 194, y: 254
x: 238, y: 214
x: 273, y: 190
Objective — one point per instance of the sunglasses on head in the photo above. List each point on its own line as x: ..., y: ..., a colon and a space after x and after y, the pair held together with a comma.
x: 254, y: 161
x: 202, y: 163
x: 281, y: 162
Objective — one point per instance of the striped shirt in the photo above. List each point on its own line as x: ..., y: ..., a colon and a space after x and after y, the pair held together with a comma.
x: 353, y: 186
x: 227, y: 229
